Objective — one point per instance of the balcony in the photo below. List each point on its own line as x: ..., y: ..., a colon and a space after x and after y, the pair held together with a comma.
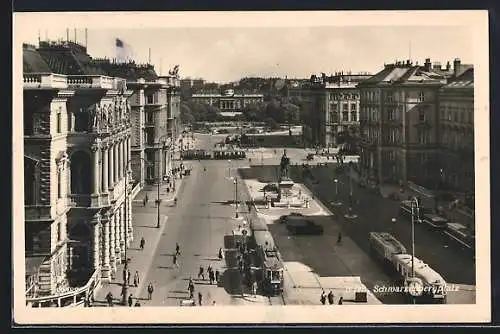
x: 37, y: 212
x: 44, y: 81
x: 94, y: 81
x: 71, y: 298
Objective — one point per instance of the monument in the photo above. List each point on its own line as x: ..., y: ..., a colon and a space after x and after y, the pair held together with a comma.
x: 285, y: 183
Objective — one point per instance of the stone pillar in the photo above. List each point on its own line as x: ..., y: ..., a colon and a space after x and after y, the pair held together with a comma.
x: 120, y: 160
x: 128, y: 151
x: 111, y: 249
x: 96, y: 222
x: 121, y: 230
x: 117, y: 238
x: 111, y: 167
x: 105, y: 170
x: 130, y: 225
x: 105, y: 253
x: 115, y: 163
x: 95, y: 174
x: 124, y: 231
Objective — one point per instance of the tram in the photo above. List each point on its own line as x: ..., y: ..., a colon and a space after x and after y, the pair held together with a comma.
x: 270, y: 267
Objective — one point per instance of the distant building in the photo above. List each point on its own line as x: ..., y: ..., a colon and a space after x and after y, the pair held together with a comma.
x: 400, y: 125
x: 229, y: 103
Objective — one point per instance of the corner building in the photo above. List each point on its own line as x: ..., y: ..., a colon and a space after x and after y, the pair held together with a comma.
x: 77, y: 139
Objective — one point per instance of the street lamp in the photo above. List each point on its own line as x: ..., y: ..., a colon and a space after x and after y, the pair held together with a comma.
x: 338, y: 202
x: 414, y: 205
x: 229, y: 169
x: 236, y: 195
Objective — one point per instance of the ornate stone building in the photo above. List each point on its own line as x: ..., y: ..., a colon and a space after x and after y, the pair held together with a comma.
x: 77, y: 140
x: 400, y: 125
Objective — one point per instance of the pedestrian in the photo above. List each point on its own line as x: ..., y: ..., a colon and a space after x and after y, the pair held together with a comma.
x: 174, y: 261
x: 177, y: 249
x: 211, y: 276
x: 200, y: 296
x: 109, y: 298
x: 128, y: 276
x: 341, y: 300
x: 201, y: 273
x: 330, y: 297
x: 217, y: 276
x: 137, y: 304
x: 323, y: 298
x: 191, y: 289
x: 146, y: 198
x: 136, y: 278
x: 143, y: 243
x: 221, y: 256
x: 130, y: 300
x: 339, y: 238
x: 254, y: 288
x: 144, y: 201
x: 150, y: 290
x: 213, y: 303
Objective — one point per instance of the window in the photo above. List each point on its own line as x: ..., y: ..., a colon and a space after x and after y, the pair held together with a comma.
x: 149, y: 117
x: 391, y: 114
x: 58, y: 120
x: 392, y: 136
x: 150, y: 99
x: 423, y: 136
x: 353, y: 106
x: 345, y: 107
x: 345, y: 116
x: 389, y: 97
x: 334, y: 108
x: 421, y: 97
x: 353, y: 116
x: 421, y: 115
x: 59, y: 183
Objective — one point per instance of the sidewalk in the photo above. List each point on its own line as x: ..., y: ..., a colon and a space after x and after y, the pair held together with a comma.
x: 144, y: 226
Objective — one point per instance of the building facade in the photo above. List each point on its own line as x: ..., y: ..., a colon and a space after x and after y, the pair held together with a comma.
x: 228, y: 101
x: 456, y: 132
x: 77, y: 141
x: 400, y: 125
x: 78, y: 160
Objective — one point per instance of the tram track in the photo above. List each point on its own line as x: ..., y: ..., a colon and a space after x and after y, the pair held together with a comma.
x: 277, y: 300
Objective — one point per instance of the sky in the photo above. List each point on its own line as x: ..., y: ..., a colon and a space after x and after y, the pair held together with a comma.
x: 224, y: 54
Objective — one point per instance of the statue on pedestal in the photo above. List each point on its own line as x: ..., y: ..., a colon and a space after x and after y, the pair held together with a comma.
x: 284, y: 165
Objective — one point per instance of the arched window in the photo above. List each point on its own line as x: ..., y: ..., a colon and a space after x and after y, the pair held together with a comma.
x: 81, y: 177
x: 31, y: 181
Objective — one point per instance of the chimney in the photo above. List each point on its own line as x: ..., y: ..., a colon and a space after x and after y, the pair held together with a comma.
x: 427, y: 64
x: 456, y: 66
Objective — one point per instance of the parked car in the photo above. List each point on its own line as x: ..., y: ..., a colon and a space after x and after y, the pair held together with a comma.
x: 285, y: 218
x: 303, y: 227
x: 435, y: 221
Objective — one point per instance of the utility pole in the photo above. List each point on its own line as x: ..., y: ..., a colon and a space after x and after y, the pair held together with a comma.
x: 236, y: 195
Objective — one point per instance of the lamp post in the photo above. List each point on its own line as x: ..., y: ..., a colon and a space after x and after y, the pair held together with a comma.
x: 414, y: 205
x: 229, y: 169
x: 337, y: 201
x: 236, y: 195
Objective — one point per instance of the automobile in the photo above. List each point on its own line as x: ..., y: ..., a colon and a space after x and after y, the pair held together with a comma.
x: 285, y: 218
x: 435, y: 221
x: 271, y: 187
x: 303, y: 227
x: 461, y: 234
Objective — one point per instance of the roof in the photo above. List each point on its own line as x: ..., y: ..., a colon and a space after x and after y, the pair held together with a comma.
x: 33, y: 62
x: 261, y: 237
x: 422, y: 269
x: 463, y: 80
x: 389, y: 240
x: 404, y: 74
x: 258, y: 225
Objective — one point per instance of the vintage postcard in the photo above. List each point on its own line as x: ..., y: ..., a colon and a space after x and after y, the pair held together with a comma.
x: 251, y: 167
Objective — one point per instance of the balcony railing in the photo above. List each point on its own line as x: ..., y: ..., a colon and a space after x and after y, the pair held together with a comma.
x: 71, y: 298
x: 44, y: 80
x: 92, y: 81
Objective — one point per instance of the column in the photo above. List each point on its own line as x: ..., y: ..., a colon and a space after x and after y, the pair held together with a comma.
x: 105, y: 255
x: 121, y: 231
x: 124, y: 232
x: 117, y: 238
x: 111, y: 249
x: 111, y: 168
x: 95, y: 239
x: 105, y: 170
x: 124, y: 157
x: 115, y: 163
x: 127, y: 143
x: 130, y: 225
x: 120, y: 160
x: 96, y: 172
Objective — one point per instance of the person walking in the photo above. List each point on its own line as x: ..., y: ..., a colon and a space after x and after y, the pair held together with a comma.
x: 330, y: 298
x: 217, y: 276
x: 146, y: 198
x: 130, y: 300
x: 150, y: 290
x: 211, y: 276
x: 221, y: 256
x: 143, y: 243
x: 339, y: 238
x: 200, y: 297
x: 109, y: 298
x: 323, y: 298
x: 191, y: 289
x: 174, y: 261
x: 128, y: 276
x: 136, y: 278
x: 341, y: 300
x: 201, y: 273
x: 177, y: 249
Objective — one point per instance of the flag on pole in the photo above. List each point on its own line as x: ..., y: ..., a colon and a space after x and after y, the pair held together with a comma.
x: 123, y: 51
